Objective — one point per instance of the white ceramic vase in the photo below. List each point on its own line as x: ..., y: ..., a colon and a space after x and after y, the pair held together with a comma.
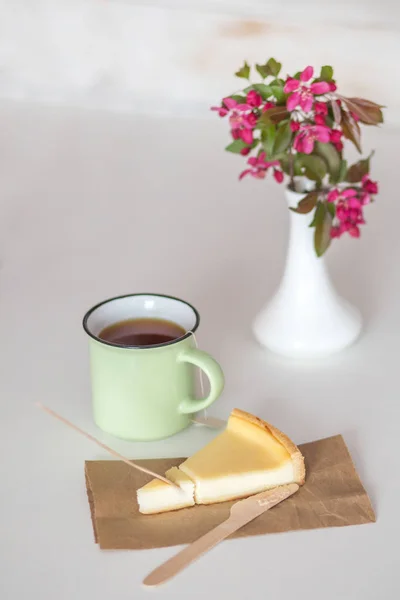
x: 306, y: 318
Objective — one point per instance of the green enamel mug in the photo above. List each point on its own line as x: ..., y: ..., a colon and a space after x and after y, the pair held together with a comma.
x: 147, y: 392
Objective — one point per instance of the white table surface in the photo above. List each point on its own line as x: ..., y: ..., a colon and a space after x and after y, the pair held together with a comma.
x: 94, y: 205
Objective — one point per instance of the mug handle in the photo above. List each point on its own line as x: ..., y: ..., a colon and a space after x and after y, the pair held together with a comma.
x: 214, y: 373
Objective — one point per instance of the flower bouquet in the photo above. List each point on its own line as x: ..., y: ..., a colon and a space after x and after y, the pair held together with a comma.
x: 295, y: 127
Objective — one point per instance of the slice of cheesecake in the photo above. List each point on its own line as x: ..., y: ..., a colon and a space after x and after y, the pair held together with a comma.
x: 248, y: 457
x: 157, y: 496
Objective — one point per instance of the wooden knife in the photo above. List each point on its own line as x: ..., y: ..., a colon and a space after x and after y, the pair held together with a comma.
x: 242, y: 512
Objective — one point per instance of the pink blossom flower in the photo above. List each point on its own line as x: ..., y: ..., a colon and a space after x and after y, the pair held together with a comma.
x: 253, y: 99
x: 241, y: 121
x: 259, y: 166
x: 349, y: 204
x: 241, y: 118
x: 336, y: 194
x: 336, y: 139
x: 302, y: 95
x: 319, y: 120
x: 294, y: 126
x: 268, y: 105
x: 351, y: 228
x: 308, y: 135
x: 321, y: 111
x: 332, y: 86
x: 321, y: 108
x: 222, y: 111
x: 371, y: 187
x: 278, y: 175
x: 229, y: 104
x: 336, y: 136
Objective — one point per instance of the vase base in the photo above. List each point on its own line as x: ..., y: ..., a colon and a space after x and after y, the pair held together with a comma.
x: 289, y: 335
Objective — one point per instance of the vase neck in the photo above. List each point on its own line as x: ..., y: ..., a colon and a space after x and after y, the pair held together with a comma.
x: 302, y: 263
x: 302, y: 187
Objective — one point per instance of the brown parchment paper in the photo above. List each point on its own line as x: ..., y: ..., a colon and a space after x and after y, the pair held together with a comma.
x: 333, y: 496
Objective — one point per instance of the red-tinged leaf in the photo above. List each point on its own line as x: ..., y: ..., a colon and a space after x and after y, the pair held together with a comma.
x: 375, y: 116
x: 322, y: 234
x: 357, y: 171
x: 307, y: 204
x: 368, y: 115
x: 366, y: 103
x: 337, y: 113
x: 274, y: 115
x: 351, y: 130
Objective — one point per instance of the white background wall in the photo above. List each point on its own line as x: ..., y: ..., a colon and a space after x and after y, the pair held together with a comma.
x: 179, y: 56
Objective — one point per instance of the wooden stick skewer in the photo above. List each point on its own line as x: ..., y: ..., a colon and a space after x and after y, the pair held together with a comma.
x: 105, y: 447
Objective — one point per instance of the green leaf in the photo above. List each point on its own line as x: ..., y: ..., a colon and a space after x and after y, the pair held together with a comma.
x: 274, y: 115
x: 268, y: 138
x: 331, y: 208
x: 326, y: 73
x: 297, y: 75
x: 271, y: 67
x: 357, y: 171
x: 279, y: 94
x: 322, y: 234
x: 262, y: 70
x: 278, y: 81
x: 351, y: 129
x: 283, y: 138
x: 297, y: 165
x: 285, y: 160
x: 244, y: 72
x: 323, y: 218
x: 274, y: 67
x: 264, y: 90
x: 332, y: 158
x: 306, y: 204
x: 236, y: 146
x: 315, y: 166
x: 342, y: 171
x: 239, y: 99
x: 318, y: 215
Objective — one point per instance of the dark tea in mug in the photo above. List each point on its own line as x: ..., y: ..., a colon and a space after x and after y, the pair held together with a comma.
x: 142, y: 332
